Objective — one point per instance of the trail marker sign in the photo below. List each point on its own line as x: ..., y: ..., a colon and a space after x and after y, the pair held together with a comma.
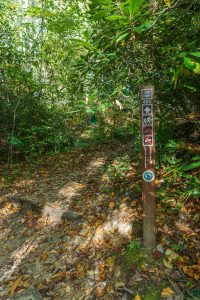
x: 148, y: 166
x: 148, y: 176
x: 147, y: 109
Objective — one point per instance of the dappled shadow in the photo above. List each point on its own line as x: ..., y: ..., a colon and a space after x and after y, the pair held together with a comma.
x: 73, y: 226
x: 80, y: 222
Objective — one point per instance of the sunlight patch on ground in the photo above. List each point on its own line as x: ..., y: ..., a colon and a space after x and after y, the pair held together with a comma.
x: 24, y: 183
x: 184, y: 227
x: 52, y: 212
x: 18, y: 255
x: 5, y: 232
x: 119, y: 222
x: 95, y: 164
x: 8, y: 210
x: 117, y: 227
x: 70, y: 189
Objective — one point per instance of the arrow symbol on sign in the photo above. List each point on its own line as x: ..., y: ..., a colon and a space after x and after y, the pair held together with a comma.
x: 147, y: 110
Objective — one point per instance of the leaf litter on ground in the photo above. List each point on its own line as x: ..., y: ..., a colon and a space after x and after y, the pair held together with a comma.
x: 79, y: 236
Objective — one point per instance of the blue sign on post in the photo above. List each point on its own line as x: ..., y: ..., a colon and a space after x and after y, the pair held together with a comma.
x: 148, y: 176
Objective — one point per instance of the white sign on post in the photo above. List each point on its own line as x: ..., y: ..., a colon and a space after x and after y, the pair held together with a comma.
x: 147, y: 118
x: 147, y: 122
x: 147, y: 109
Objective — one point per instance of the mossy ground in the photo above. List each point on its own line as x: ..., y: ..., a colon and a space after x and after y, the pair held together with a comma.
x: 134, y: 260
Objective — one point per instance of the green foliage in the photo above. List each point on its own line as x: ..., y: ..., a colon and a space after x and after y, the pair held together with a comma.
x: 176, y: 247
x: 154, y: 294
x: 176, y: 169
x: 192, y: 166
x: 119, y: 168
x: 68, y: 66
x: 134, y: 6
x: 136, y: 255
x: 134, y: 245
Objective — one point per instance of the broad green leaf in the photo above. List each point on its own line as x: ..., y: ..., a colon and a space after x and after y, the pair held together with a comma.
x: 77, y: 40
x: 122, y: 37
x: 190, y: 87
x: 196, y: 158
x: 145, y: 26
x: 116, y: 17
x: 104, y: 106
x: 86, y: 44
x: 74, y: 112
x: 90, y: 111
x: 86, y: 34
x: 15, y: 141
x: 182, y: 54
x: 134, y: 6
x: 196, y: 54
x: 116, y: 90
x: 104, y: 1
x: 197, y: 69
x: 111, y: 54
x: 171, y: 161
x: 192, y: 166
x: 100, y: 14
x: 176, y: 75
x: 189, y: 63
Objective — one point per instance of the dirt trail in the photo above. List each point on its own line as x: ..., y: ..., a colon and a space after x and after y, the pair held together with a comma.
x: 59, y: 229
x: 69, y: 231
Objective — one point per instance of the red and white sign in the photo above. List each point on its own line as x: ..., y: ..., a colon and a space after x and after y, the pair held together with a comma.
x: 147, y: 117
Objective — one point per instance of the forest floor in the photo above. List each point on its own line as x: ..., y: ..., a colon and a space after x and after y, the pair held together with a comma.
x: 71, y: 233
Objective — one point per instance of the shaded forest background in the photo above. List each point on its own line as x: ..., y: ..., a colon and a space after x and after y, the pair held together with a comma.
x: 71, y: 72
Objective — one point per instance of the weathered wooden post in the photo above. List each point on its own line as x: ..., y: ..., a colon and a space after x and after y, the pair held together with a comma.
x: 148, y: 167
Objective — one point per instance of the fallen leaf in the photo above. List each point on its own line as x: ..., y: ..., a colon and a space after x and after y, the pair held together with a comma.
x: 58, y: 276
x: 98, y: 223
x: 171, y: 255
x: 167, y: 264
x: 144, y: 267
x: 68, y: 289
x: 111, y: 205
x: 192, y: 271
x: 168, y: 2
x: 15, y: 285
x: 137, y: 297
x: 8, y: 205
x: 109, y: 263
x: 167, y: 292
x: 108, y: 290
x: 183, y: 259
x: 41, y: 286
x: 133, y: 203
x: 118, y: 284
x: 25, y: 284
x: 99, y: 291
x: 29, y: 214
x: 44, y: 255
x: 124, y: 200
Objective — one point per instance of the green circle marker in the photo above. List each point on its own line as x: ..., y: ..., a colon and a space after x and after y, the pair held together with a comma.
x: 148, y: 176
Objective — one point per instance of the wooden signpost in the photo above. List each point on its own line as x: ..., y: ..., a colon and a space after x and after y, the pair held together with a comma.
x: 148, y: 166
